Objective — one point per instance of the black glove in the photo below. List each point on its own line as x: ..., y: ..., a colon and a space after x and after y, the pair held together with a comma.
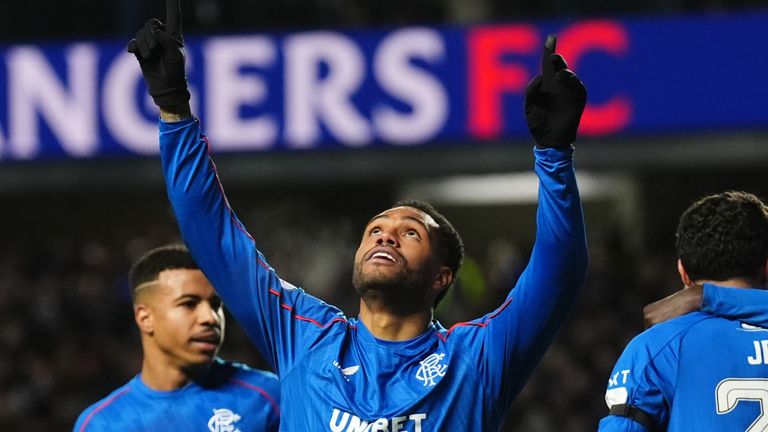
x: 158, y: 47
x: 554, y: 100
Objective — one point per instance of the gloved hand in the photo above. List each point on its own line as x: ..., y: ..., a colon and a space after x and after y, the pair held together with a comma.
x: 554, y: 100
x: 158, y: 48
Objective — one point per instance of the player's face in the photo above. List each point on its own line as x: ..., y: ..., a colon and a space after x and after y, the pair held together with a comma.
x: 187, y: 317
x: 397, y: 253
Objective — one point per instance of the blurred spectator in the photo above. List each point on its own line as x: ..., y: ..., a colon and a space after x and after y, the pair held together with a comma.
x: 67, y: 19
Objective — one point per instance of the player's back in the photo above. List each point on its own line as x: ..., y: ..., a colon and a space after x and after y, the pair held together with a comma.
x: 722, y: 378
x: 697, y: 372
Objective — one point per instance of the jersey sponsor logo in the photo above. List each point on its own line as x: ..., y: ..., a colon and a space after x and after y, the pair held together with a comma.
x: 347, y: 371
x: 614, y: 380
x: 287, y: 285
x: 342, y: 421
x: 223, y: 420
x: 431, y: 369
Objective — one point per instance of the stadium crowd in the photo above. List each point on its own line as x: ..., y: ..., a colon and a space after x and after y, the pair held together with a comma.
x: 93, y: 18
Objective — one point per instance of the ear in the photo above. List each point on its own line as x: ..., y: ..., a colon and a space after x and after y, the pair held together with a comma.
x: 443, y: 280
x: 683, y: 274
x: 142, y: 314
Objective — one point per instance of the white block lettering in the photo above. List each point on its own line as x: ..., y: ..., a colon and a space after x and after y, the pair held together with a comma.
x: 336, y: 424
x: 761, y: 353
x: 311, y: 99
x: 354, y: 423
x: 357, y: 425
x: 624, y: 375
x: 758, y: 357
x: 380, y: 425
x: 122, y: 116
x: 417, y: 418
x: 228, y: 89
x: 419, y: 89
x: 68, y: 108
x: 613, y: 380
x: 398, y: 423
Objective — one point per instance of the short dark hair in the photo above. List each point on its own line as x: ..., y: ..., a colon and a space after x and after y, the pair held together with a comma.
x: 724, y: 236
x: 149, y: 266
x: 450, y: 245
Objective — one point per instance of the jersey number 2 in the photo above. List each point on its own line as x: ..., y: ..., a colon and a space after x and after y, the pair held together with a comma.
x: 732, y: 390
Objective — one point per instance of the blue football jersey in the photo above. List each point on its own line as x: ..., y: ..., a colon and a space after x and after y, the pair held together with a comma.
x: 697, y: 372
x: 335, y: 375
x: 747, y: 305
x: 231, y: 397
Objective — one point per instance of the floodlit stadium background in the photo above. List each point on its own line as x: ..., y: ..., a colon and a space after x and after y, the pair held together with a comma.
x: 78, y: 205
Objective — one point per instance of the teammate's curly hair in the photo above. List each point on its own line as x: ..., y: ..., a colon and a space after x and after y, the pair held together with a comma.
x: 724, y: 236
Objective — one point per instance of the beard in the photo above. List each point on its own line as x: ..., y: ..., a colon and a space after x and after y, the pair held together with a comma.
x: 402, y: 292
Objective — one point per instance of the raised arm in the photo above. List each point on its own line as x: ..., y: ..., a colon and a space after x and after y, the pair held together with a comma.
x: 281, y: 319
x: 515, y: 336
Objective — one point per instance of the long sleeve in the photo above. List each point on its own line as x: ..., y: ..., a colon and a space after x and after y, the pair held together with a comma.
x: 282, y: 320
x: 513, y: 338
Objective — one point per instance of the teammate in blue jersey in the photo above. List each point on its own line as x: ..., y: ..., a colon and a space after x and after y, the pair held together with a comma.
x: 183, y: 386
x: 701, y: 372
x: 393, y: 368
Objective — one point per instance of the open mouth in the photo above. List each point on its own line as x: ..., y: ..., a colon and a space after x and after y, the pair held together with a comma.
x: 383, y: 256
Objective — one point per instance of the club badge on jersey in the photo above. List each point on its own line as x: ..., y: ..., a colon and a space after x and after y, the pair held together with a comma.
x: 431, y: 369
x: 223, y: 420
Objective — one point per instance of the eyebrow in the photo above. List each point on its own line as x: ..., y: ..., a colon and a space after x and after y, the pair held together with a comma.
x: 415, y: 219
x: 196, y: 297
x: 188, y: 296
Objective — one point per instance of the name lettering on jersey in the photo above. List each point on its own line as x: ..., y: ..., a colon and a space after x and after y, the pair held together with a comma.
x: 431, y: 369
x: 614, y: 380
x: 342, y: 421
x: 223, y: 420
x: 761, y: 353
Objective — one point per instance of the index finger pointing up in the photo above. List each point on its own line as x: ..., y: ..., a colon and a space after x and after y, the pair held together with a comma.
x: 173, y: 18
x: 547, y: 70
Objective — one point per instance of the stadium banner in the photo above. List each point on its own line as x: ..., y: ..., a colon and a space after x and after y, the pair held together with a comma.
x: 399, y: 87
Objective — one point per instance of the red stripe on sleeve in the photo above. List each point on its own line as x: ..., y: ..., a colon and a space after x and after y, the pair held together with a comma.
x: 261, y: 391
x: 476, y: 324
x: 101, y: 407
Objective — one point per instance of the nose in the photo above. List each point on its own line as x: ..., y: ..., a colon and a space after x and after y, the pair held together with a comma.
x: 387, y: 238
x: 209, y: 315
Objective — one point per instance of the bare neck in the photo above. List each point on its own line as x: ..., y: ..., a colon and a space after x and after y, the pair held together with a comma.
x: 161, y: 373
x: 730, y: 283
x: 383, y: 324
